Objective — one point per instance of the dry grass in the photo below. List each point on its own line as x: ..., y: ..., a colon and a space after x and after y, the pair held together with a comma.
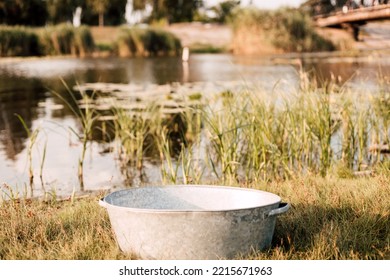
x: 56, y: 230
x: 330, y: 219
x: 257, y: 32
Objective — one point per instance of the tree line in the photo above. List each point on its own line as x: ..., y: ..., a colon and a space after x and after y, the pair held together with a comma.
x: 94, y: 12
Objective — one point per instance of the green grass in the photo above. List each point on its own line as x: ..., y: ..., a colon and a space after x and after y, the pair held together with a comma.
x: 281, y: 143
x: 330, y: 218
x: 253, y: 136
x: 64, y: 39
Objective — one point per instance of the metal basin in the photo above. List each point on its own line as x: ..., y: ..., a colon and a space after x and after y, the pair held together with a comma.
x: 192, y: 221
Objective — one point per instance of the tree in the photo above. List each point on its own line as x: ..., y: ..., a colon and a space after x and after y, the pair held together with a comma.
x: 19, y: 12
x: 225, y: 9
x: 62, y: 10
x: 116, y: 12
x: 181, y: 10
x: 100, y: 7
x: 175, y: 10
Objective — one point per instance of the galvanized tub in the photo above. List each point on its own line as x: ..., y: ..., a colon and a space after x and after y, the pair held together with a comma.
x: 192, y: 221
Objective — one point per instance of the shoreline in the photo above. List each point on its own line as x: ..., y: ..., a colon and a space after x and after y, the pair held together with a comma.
x: 360, y: 54
x: 202, y: 38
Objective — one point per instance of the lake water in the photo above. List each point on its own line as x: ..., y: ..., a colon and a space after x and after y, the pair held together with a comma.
x: 27, y: 86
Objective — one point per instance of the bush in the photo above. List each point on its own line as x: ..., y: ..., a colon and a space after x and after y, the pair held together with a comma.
x: 53, y: 40
x: 147, y: 42
x: 18, y: 41
x: 287, y: 30
x: 65, y: 39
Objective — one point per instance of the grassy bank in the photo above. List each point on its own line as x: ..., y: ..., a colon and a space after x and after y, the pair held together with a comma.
x: 146, y: 42
x: 64, y: 39
x: 53, y: 40
x: 18, y: 41
x: 283, y: 30
x: 330, y: 218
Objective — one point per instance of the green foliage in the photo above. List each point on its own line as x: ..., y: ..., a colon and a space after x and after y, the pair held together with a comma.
x: 294, y: 31
x: 20, y: 12
x: 147, y: 42
x: 52, y: 40
x: 18, y: 41
x: 60, y: 11
x: 65, y: 39
x: 102, y: 12
x: 100, y: 7
x: 225, y: 9
x: 174, y: 10
x: 181, y: 11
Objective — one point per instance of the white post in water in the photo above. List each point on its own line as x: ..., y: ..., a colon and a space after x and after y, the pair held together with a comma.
x: 77, y: 17
x: 186, y: 54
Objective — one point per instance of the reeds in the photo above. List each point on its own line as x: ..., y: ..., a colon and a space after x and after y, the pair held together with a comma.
x: 147, y: 42
x: 18, y: 41
x: 252, y: 136
x: 87, y: 116
x: 61, y: 39
x: 65, y: 39
x: 33, y: 137
x: 286, y: 144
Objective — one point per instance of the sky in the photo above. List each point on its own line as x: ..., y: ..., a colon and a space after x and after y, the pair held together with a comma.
x: 264, y: 4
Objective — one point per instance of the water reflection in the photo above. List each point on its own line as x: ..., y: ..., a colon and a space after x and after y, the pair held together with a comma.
x: 26, y: 89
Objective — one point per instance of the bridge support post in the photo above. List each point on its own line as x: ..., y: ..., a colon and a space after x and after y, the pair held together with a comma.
x: 353, y: 28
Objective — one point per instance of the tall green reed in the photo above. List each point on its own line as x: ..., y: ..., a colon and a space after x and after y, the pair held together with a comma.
x: 224, y: 126
x: 65, y: 39
x: 60, y: 39
x: 33, y: 137
x: 250, y: 135
x: 85, y: 112
x: 18, y: 41
x: 135, y: 131
x: 322, y: 124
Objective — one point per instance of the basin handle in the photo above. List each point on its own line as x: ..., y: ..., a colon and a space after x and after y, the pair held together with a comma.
x: 283, y: 207
x: 102, y: 203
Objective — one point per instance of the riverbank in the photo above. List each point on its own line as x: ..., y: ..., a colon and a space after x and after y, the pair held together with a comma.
x: 374, y: 36
x: 330, y: 218
x: 219, y: 38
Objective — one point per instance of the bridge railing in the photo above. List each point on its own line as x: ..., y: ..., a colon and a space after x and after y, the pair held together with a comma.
x: 321, y: 8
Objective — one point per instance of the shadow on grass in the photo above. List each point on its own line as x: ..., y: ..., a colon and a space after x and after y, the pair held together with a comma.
x: 317, y: 232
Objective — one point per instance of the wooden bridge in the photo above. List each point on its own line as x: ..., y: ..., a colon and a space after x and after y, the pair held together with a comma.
x: 356, y: 16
